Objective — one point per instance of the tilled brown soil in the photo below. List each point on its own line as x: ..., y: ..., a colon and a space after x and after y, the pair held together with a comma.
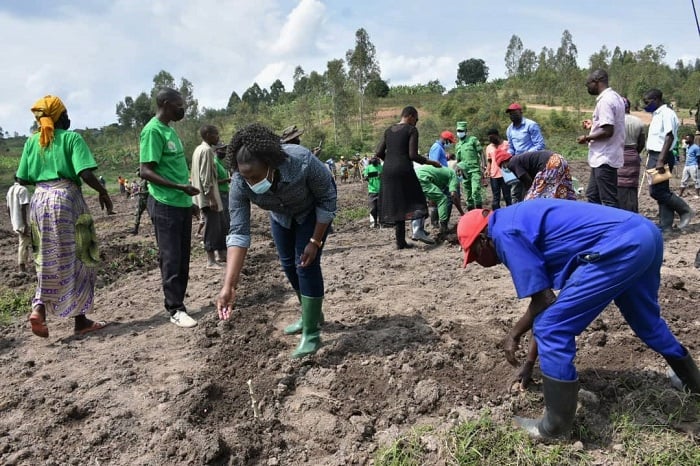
x: 410, y: 339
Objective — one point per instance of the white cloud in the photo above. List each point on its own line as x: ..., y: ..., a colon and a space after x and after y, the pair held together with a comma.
x: 298, y: 35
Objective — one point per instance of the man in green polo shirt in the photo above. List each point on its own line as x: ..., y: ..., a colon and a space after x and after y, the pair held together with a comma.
x: 164, y: 166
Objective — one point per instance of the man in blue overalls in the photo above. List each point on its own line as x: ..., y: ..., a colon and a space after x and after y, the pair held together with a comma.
x: 594, y: 255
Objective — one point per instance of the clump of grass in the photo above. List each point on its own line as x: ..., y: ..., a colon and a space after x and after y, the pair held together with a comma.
x: 405, y: 451
x: 345, y: 216
x: 485, y: 442
x: 14, y: 303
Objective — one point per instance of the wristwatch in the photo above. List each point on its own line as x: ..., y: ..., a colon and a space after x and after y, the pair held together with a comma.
x: 319, y: 244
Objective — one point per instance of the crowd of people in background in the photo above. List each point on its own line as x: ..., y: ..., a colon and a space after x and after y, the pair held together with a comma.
x: 527, y: 180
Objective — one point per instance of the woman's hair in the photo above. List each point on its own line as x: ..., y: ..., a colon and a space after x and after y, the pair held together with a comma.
x: 255, y: 143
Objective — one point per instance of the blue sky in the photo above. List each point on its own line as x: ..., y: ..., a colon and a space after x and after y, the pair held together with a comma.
x: 92, y: 53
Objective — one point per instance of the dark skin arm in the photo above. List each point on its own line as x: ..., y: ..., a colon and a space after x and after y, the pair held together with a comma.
x: 641, y: 141
x: 148, y: 173
x: 603, y: 132
x: 665, y: 151
x: 538, y: 303
x: 88, y: 176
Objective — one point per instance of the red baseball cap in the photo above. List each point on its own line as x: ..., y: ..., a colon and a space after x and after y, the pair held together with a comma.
x: 513, y: 106
x: 448, y: 136
x: 501, y: 156
x: 469, y: 227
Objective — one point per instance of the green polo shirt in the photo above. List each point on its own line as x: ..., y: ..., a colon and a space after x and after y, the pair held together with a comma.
x: 66, y: 156
x: 443, y: 178
x: 161, y: 145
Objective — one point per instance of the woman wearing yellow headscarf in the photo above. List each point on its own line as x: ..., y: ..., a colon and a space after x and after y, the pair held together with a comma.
x: 57, y: 161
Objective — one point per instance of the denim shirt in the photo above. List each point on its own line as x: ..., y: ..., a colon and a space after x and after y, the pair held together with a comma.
x: 305, y: 185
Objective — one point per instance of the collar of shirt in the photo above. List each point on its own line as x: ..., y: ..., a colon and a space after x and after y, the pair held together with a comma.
x: 600, y: 96
x: 658, y: 110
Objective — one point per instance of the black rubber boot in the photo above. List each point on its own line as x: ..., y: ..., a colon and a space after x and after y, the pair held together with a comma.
x: 687, y: 371
x: 400, y: 231
x: 665, y: 218
x: 697, y: 259
x: 560, y: 398
x: 678, y: 205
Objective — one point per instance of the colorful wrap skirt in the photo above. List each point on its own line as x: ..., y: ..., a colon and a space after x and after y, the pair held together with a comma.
x: 553, y: 182
x: 65, y: 249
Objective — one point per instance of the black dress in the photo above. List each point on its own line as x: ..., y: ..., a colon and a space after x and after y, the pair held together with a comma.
x: 400, y: 195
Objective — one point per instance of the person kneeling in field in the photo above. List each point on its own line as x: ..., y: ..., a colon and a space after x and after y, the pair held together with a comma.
x: 593, y: 254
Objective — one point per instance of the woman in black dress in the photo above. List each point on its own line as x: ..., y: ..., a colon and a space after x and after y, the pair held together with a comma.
x: 400, y: 195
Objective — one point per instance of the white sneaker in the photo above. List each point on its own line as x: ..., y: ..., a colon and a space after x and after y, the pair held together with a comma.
x: 183, y: 319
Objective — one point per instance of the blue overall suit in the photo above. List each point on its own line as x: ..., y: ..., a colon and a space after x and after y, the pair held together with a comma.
x: 594, y: 255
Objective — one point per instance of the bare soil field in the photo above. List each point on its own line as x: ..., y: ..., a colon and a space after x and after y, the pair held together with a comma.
x: 410, y: 339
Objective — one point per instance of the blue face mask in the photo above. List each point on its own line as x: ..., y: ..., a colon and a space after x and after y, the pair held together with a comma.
x: 651, y: 107
x: 262, y: 186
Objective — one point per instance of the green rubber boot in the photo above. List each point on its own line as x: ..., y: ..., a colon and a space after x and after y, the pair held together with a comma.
x: 311, y: 330
x: 293, y: 329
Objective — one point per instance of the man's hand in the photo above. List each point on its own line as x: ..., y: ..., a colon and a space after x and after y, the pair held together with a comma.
x: 190, y: 190
x: 510, y: 346
x: 582, y: 140
x: 524, y: 375
x: 434, y: 163
x: 107, y: 202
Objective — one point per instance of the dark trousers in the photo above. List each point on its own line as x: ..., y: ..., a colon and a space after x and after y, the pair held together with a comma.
x: 498, y: 188
x: 140, y: 207
x: 214, y: 230
x: 374, y: 207
x: 661, y: 192
x: 173, y: 228
x: 517, y: 193
x: 290, y: 243
x: 602, y: 186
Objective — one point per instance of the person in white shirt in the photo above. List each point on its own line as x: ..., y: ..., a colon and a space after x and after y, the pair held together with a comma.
x: 662, y: 136
x: 17, y: 208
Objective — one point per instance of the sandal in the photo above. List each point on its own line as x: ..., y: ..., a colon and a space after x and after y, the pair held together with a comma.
x: 94, y: 326
x: 38, y: 324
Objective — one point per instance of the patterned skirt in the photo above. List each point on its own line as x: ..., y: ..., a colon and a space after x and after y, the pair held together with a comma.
x: 553, y: 182
x: 65, y: 249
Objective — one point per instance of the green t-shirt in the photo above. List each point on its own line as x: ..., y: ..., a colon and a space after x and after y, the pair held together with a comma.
x: 161, y: 145
x: 373, y: 175
x: 65, y: 158
x: 222, y: 174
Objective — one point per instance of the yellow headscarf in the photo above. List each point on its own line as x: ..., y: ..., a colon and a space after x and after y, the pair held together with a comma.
x: 47, y: 110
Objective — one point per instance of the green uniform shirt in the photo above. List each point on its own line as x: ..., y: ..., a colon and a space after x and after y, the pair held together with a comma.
x: 443, y: 178
x: 161, y: 145
x: 373, y: 174
x: 65, y: 158
x: 468, y: 153
x: 222, y: 174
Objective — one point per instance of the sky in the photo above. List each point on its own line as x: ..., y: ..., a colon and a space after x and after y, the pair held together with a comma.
x: 93, y: 53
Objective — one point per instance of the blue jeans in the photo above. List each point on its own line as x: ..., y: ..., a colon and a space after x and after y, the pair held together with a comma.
x: 173, y: 228
x: 290, y: 245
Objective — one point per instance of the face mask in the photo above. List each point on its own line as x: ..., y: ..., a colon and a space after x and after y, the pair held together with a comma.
x: 179, y: 114
x: 448, y: 145
x: 651, y: 107
x: 262, y: 186
x: 461, y: 134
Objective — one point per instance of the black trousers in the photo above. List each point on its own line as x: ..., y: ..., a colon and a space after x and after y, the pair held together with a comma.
x: 602, y: 186
x: 173, y: 228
